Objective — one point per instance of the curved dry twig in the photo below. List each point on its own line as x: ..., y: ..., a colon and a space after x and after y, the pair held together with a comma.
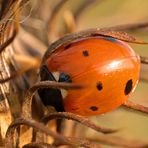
x: 12, y: 8
x: 40, y: 127
x: 136, y: 107
x: 90, y: 33
x: 127, y: 27
x: 12, y: 13
x: 13, y: 76
x: 26, y: 108
x: 84, y: 142
x: 118, y: 141
x: 8, y: 42
x: 121, y: 36
x: 38, y: 145
x: 80, y: 119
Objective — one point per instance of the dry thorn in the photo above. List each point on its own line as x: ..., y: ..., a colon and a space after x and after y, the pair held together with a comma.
x: 80, y: 119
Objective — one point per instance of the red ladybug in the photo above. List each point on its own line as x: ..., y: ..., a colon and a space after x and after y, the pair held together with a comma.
x: 107, y: 67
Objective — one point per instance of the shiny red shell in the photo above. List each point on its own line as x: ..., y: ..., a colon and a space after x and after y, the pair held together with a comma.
x: 107, y: 67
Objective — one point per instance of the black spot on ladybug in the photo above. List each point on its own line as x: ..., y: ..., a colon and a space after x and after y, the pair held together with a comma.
x: 67, y: 46
x: 64, y: 78
x: 99, y: 86
x: 128, y: 87
x: 85, y: 53
x: 94, y: 108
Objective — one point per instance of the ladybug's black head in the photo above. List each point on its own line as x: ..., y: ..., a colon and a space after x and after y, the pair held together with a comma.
x: 50, y: 96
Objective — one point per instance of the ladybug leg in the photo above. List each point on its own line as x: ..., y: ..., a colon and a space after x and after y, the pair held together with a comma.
x: 50, y: 96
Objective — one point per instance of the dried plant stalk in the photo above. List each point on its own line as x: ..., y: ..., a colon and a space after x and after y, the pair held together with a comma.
x: 10, y: 92
x: 118, y: 141
x: 39, y: 145
x: 90, y: 33
x: 80, y: 119
x: 128, y: 27
x: 26, y: 108
x: 136, y: 107
x: 9, y: 143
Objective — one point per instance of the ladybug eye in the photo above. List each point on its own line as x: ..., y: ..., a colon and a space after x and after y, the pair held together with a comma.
x: 85, y: 53
x: 99, y: 86
x: 94, y: 108
x: 128, y: 87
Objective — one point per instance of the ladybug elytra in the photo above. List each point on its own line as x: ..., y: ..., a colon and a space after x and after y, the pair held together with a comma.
x: 107, y: 67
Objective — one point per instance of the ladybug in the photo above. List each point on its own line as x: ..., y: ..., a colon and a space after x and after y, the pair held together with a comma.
x: 106, y: 66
